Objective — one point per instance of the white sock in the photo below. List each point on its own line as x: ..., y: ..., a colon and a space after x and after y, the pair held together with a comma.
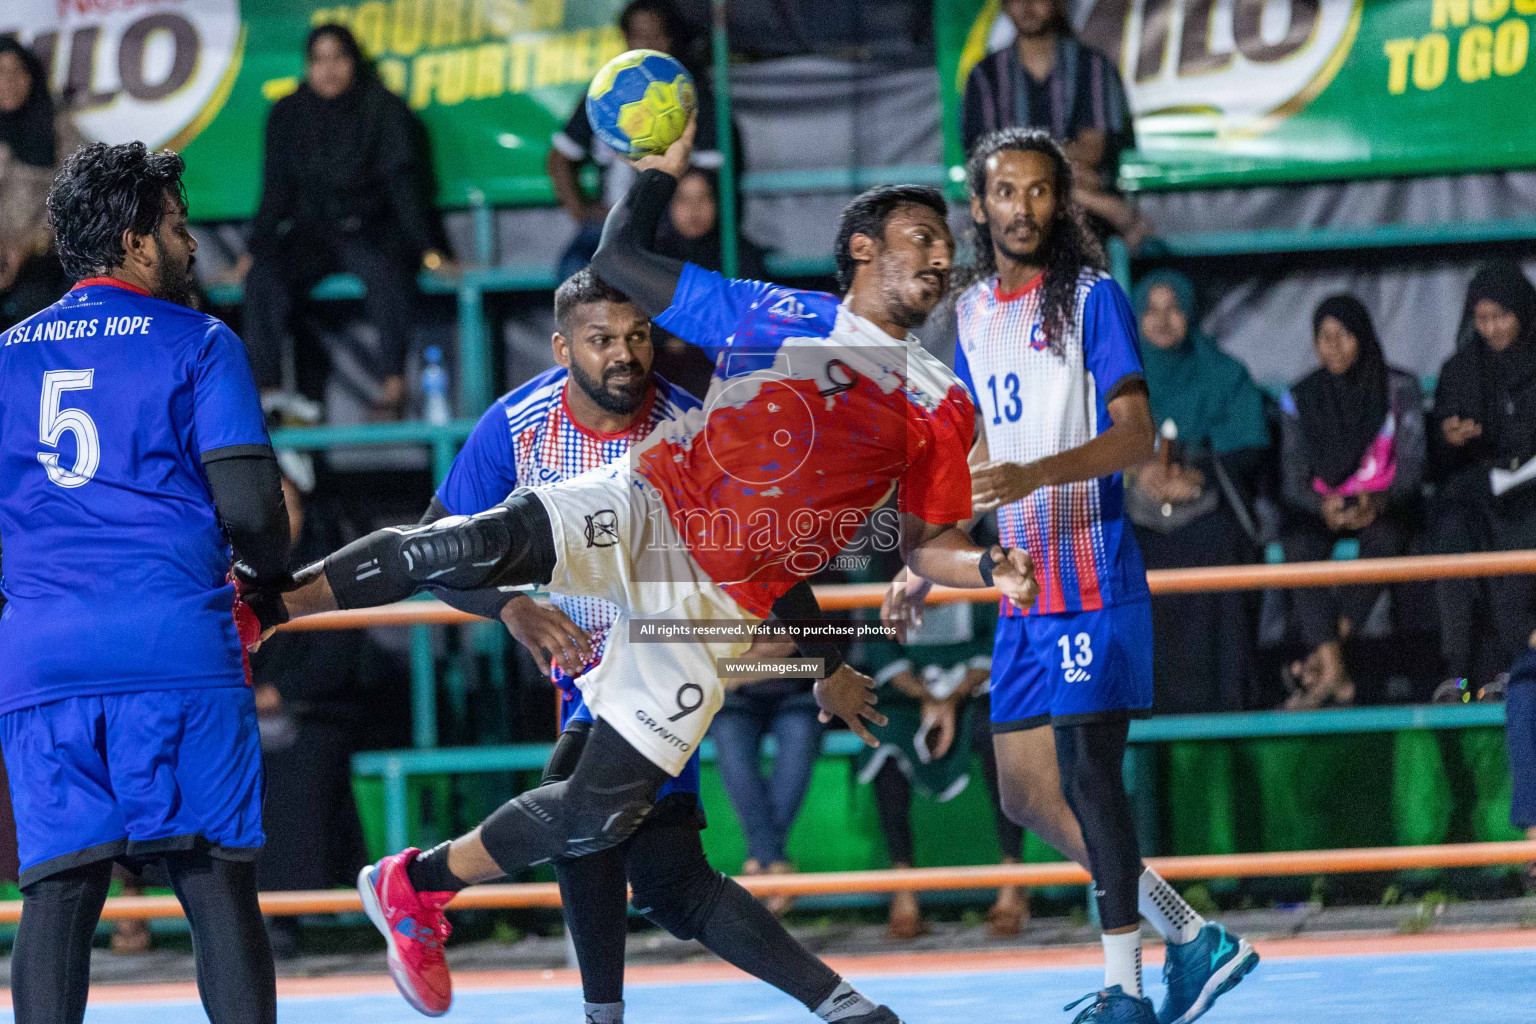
x: 1174, y: 919
x: 844, y: 1002
x: 1122, y: 961
x: 605, y: 1013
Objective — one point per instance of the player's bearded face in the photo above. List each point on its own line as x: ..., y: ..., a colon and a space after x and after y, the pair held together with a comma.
x: 174, y: 248
x: 611, y: 357
x: 914, y: 264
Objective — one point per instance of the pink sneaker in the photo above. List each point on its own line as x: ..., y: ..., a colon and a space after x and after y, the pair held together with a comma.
x: 414, y: 929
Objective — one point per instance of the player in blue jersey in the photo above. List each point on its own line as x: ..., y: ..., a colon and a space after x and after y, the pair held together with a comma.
x: 589, y: 410
x: 134, y: 456
x: 1047, y: 346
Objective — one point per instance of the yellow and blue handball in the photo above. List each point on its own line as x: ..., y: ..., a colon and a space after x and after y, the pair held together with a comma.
x: 640, y: 101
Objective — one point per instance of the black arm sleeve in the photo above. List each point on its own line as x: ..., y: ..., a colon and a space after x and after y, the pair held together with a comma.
x: 486, y: 603
x: 248, y: 496
x: 626, y: 258
x: 799, y: 604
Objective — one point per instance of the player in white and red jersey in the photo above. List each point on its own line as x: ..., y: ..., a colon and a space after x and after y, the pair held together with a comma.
x: 600, y: 399
x: 819, y: 412
x: 1047, y: 345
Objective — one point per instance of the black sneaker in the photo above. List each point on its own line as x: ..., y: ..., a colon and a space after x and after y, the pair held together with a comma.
x: 879, y: 1015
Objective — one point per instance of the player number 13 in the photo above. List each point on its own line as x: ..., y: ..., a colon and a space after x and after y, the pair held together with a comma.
x: 54, y: 422
x: 1084, y: 656
x: 1014, y: 407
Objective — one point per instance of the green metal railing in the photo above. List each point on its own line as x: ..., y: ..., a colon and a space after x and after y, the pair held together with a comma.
x: 397, y: 767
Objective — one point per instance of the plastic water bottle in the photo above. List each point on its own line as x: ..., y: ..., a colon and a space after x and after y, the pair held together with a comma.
x: 434, y: 387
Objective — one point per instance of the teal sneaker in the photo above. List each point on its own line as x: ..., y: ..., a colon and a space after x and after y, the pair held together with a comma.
x: 1114, y: 1006
x: 1200, y: 970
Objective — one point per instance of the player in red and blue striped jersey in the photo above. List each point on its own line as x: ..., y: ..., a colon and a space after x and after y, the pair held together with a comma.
x: 1048, y: 348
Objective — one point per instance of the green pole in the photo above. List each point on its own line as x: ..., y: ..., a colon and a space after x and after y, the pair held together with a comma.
x: 474, y: 351
x: 396, y: 805
x: 1120, y: 262
x: 726, y: 142
x: 423, y: 688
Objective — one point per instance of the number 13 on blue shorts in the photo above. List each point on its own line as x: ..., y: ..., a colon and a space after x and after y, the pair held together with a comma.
x: 1073, y: 667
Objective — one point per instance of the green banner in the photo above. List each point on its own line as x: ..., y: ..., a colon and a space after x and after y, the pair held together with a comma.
x: 1229, y: 92
x: 491, y: 79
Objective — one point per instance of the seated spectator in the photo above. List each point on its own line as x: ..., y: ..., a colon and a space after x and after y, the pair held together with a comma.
x: 934, y: 692
x: 1352, y: 460
x: 343, y: 192
x: 647, y: 25
x: 1190, y: 505
x: 311, y: 697
x: 1049, y: 79
x: 691, y: 232
x: 34, y: 140
x: 1484, y: 419
x: 767, y: 807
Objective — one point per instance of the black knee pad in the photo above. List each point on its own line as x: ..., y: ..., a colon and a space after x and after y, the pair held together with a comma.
x: 596, y: 821
x: 509, y: 545
x: 560, y: 820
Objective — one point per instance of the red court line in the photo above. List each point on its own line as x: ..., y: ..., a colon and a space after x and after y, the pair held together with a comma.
x: 854, y: 966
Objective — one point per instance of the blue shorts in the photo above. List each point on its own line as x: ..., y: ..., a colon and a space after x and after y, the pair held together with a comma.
x: 134, y: 775
x: 574, y: 709
x: 1074, y: 667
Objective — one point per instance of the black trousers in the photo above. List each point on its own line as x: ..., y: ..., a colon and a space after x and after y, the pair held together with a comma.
x: 1465, y: 518
x: 1203, y: 658
x: 280, y: 281
x: 314, y: 835
x: 893, y: 799
x: 51, y: 961
x: 1318, y: 609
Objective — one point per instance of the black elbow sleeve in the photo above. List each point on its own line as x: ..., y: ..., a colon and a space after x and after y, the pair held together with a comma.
x: 626, y: 258
x: 799, y: 605
x: 248, y: 496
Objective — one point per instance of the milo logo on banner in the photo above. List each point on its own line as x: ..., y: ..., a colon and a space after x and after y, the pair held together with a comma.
x: 156, y: 70
x: 1204, y: 65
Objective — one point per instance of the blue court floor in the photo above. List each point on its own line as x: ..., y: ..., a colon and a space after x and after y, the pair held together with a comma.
x: 1481, y: 986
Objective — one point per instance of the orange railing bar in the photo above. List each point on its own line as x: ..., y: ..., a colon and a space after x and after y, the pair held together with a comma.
x: 986, y: 876
x: 1162, y: 581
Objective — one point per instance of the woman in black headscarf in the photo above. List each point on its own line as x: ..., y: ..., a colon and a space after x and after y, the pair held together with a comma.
x: 691, y: 232
x: 344, y: 191
x: 1352, y: 460
x: 1485, y: 419
x: 34, y: 140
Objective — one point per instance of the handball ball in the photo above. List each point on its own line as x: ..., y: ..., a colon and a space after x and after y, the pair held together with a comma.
x: 639, y: 102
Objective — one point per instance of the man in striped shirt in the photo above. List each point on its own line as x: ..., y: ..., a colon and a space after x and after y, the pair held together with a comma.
x: 1049, y: 79
x: 1047, y: 347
